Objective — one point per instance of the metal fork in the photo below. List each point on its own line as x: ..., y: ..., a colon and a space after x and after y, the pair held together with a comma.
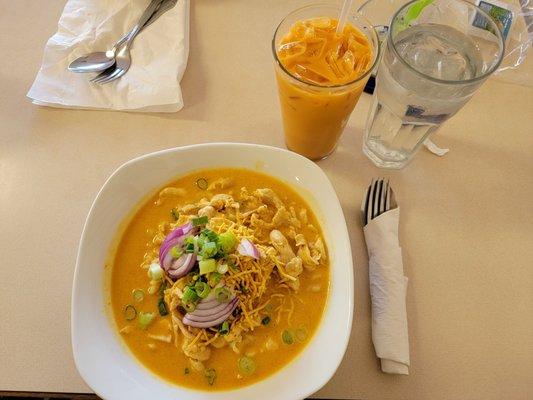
x: 123, y: 57
x: 379, y: 198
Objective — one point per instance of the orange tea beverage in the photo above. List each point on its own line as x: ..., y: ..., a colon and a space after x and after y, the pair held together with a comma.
x: 320, y: 76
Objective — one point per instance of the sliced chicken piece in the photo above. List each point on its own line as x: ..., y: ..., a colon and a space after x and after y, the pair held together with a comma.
x: 220, y: 183
x: 207, y: 211
x: 281, y: 244
x: 170, y: 192
x: 294, y: 267
x: 196, y: 352
x: 269, y: 197
x: 219, y: 201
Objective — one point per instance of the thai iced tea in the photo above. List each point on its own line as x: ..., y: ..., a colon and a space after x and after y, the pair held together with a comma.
x: 320, y: 75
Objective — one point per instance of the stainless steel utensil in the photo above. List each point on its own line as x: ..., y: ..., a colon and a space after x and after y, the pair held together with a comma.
x: 379, y: 198
x: 95, y: 62
x: 163, y: 8
x: 123, y: 59
x: 100, y: 61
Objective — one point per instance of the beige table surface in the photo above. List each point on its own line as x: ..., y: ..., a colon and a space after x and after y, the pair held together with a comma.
x: 466, y: 223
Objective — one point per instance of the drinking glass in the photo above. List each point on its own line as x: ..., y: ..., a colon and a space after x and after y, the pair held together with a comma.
x: 436, y: 56
x: 314, y: 116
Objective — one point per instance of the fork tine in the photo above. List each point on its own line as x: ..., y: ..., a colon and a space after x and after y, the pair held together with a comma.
x: 110, y: 76
x: 100, y: 77
x: 364, y: 207
x: 381, y: 204
x: 104, y: 74
x: 393, y: 203
x: 115, y: 75
x: 370, y: 201
x: 374, y: 200
x: 386, y: 198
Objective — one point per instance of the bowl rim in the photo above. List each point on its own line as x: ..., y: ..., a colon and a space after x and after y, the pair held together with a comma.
x: 341, y: 343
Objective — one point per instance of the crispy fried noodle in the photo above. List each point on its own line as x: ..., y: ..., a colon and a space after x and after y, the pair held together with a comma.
x: 287, y: 245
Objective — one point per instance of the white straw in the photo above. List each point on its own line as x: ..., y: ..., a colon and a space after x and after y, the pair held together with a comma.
x: 347, y: 5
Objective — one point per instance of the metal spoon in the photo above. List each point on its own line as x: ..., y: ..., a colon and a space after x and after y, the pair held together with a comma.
x: 99, y: 61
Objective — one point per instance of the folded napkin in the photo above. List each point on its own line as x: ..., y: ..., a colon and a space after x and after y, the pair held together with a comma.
x: 388, y: 287
x: 159, y: 57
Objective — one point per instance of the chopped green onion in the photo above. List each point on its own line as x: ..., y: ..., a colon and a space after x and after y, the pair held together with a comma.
x: 202, y: 183
x: 214, y: 279
x: 266, y: 320
x: 175, y: 214
x: 189, y: 307
x: 209, y: 234
x: 222, y: 294
x: 222, y: 268
x: 227, y: 242
x: 224, y: 328
x: 189, y: 295
x: 210, y: 374
x: 244, y: 289
x: 301, y: 334
x: 202, y: 289
x: 161, y: 290
x: 130, y: 312
x: 209, y: 249
x: 186, y: 371
x: 176, y: 252
x: 145, y: 319
x: 207, y: 266
x: 232, y: 265
x: 189, y: 248
x: 199, y: 221
x: 138, y: 295
x: 190, y: 239
x: 154, y: 286
x: 246, y: 365
x: 287, y: 337
x: 155, y: 272
x: 200, y: 240
x: 162, y: 307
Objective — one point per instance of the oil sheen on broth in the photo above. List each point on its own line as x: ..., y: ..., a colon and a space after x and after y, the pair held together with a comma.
x: 272, y: 321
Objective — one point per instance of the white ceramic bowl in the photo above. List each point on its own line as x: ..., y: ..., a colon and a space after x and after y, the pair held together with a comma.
x: 103, y: 360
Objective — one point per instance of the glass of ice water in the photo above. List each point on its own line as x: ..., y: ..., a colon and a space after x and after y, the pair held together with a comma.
x: 437, y: 53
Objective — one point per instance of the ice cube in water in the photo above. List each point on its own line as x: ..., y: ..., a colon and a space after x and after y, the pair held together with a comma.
x: 440, y: 51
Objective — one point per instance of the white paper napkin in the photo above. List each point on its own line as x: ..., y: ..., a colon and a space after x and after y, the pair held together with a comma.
x: 388, y: 287
x: 159, y: 57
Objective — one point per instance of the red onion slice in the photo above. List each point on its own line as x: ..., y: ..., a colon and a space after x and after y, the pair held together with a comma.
x: 212, y: 320
x: 210, y: 303
x: 165, y: 258
x: 182, y: 266
x: 207, y: 312
x: 247, y: 248
x: 205, y: 305
x: 172, y: 240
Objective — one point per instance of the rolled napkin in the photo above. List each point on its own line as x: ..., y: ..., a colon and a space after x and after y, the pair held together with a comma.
x: 159, y: 57
x: 388, y: 287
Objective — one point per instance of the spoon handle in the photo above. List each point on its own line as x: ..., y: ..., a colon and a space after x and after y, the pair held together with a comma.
x: 150, y: 10
x: 163, y: 8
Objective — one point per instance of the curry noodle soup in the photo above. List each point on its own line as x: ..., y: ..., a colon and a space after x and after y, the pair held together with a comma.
x: 219, y: 279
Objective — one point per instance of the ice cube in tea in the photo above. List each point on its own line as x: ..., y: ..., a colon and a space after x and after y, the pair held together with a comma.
x: 318, y: 81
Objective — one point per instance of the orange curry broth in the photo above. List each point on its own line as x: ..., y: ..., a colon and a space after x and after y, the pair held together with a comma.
x: 315, y: 115
x: 166, y: 360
